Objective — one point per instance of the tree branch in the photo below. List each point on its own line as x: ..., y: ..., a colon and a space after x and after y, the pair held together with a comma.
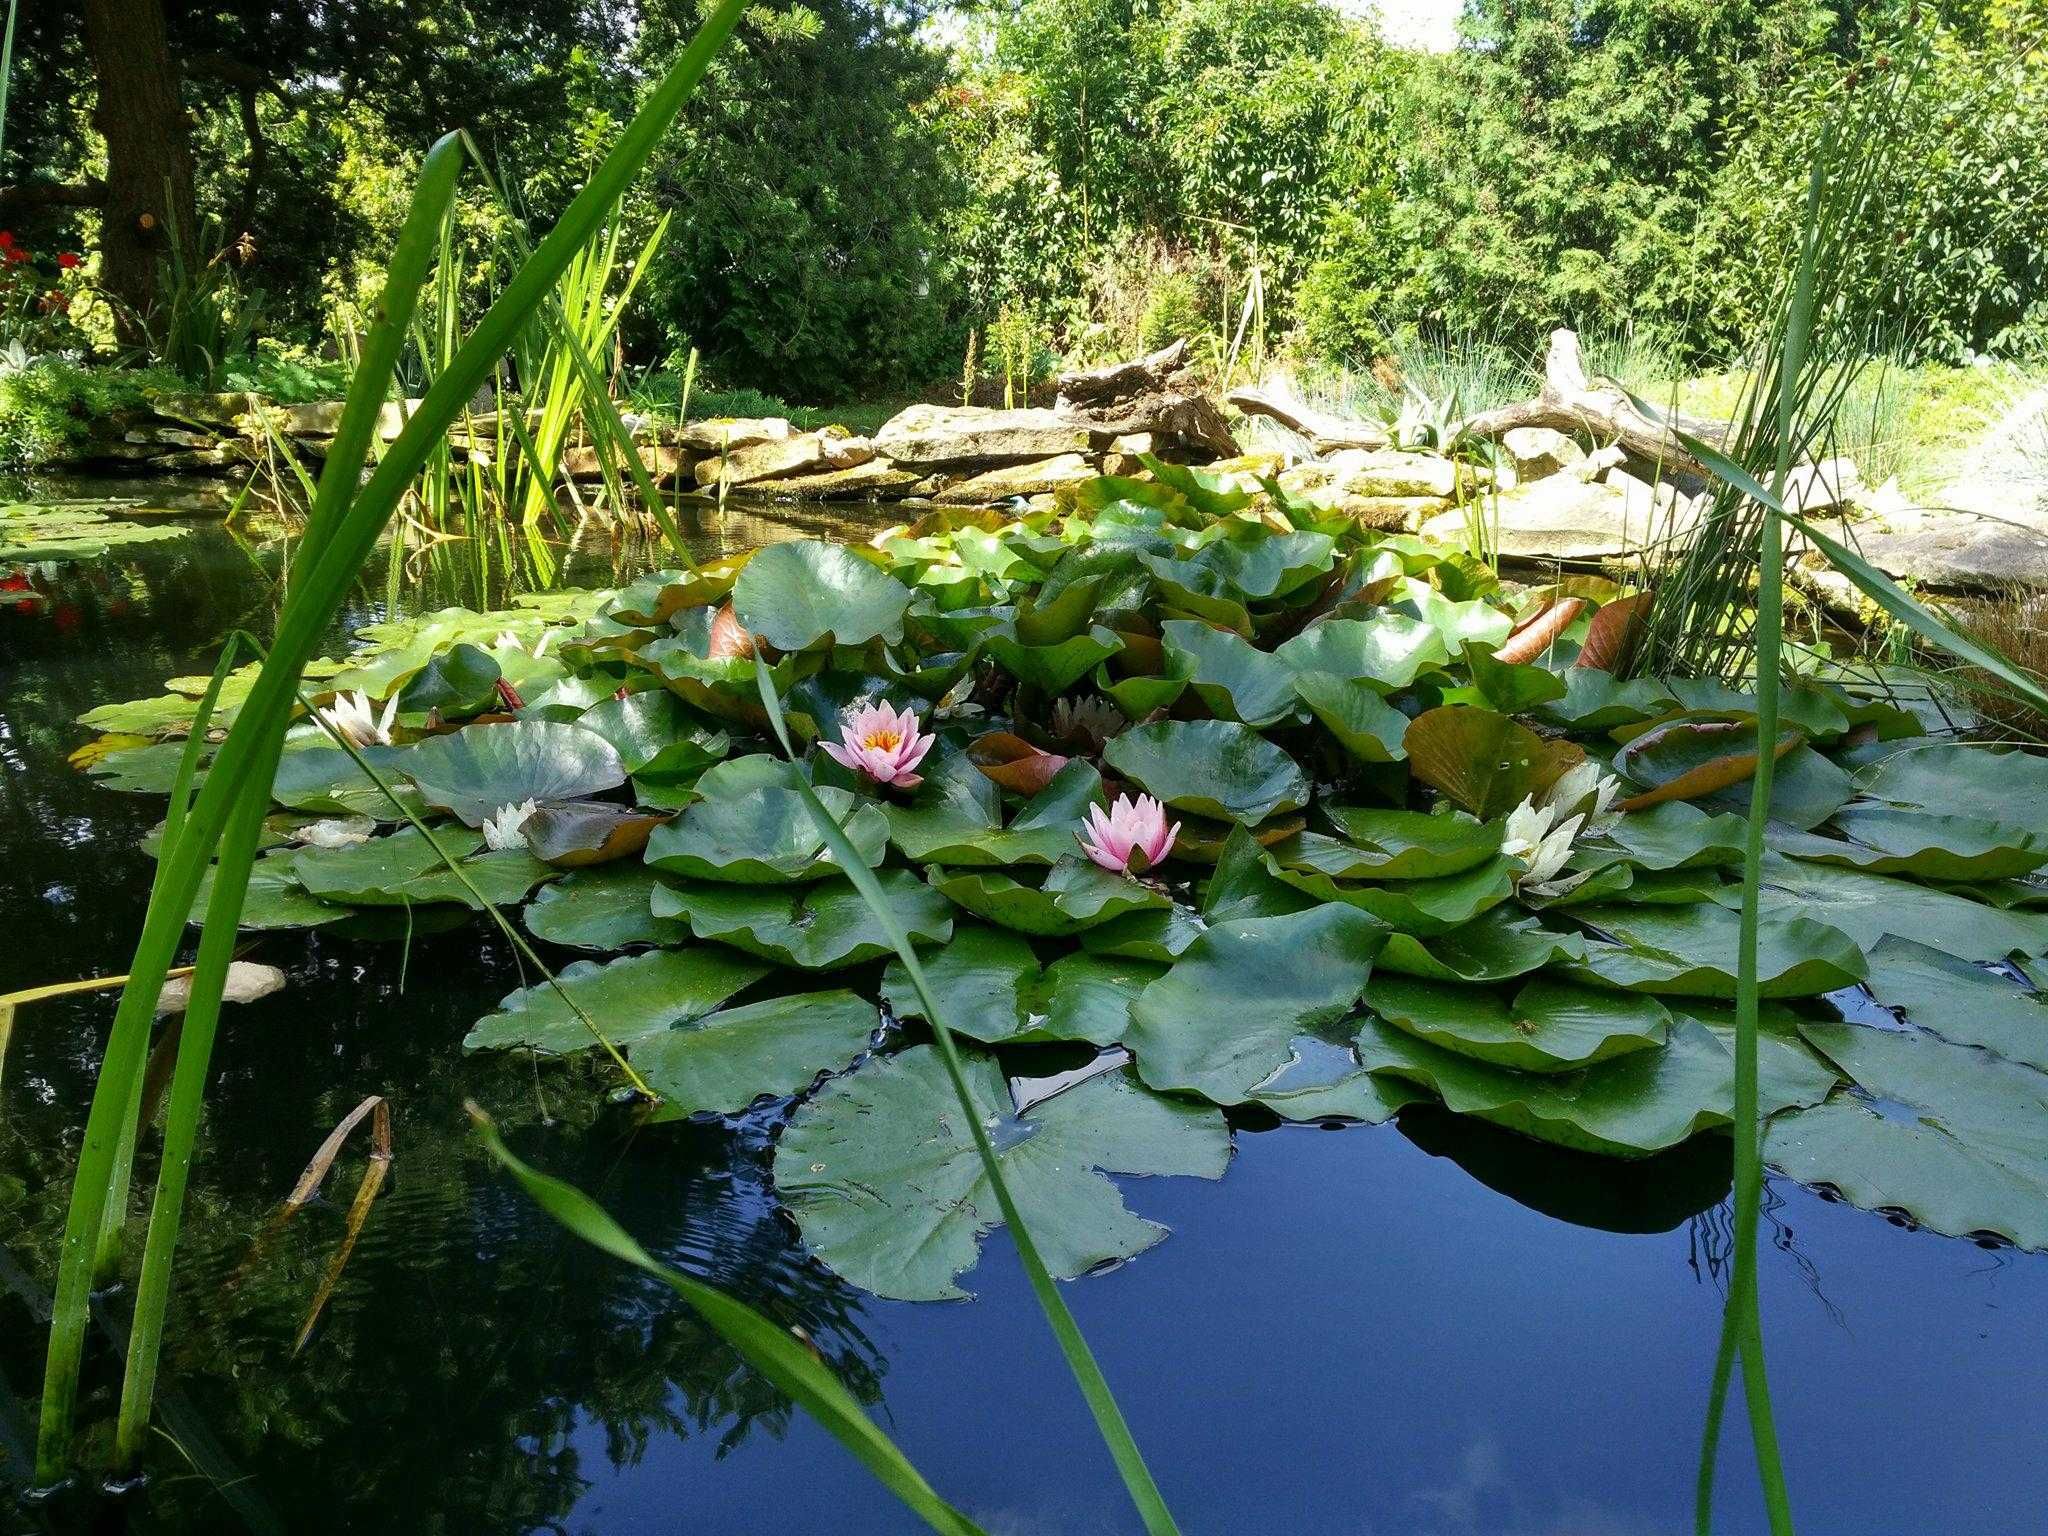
x: 53, y: 194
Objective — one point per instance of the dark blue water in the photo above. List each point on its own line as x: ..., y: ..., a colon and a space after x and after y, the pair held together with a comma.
x: 1429, y: 1329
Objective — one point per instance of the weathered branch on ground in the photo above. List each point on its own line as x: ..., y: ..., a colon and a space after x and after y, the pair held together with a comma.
x: 1326, y: 433
x: 1118, y: 381
x: 1570, y: 402
x: 1157, y: 394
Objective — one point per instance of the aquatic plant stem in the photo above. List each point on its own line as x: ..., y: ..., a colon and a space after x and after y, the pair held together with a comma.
x: 1102, y: 1403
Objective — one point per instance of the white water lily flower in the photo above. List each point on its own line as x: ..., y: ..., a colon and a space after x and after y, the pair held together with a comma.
x: 1549, y: 855
x: 503, y: 830
x: 1583, y: 784
x: 336, y: 832
x: 1527, y: 823
x: 355, y: 718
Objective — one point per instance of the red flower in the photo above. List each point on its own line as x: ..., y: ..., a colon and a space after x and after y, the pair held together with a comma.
x: 6, y: 239
x: 67, y: 260
x: 16, y: 255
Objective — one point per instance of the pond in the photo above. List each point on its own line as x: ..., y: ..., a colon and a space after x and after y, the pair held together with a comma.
x: 1430, y: 1326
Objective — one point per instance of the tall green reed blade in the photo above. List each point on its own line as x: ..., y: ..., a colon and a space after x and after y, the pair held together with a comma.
x: 342, y: 532
x: 770, y: 1349
x: 7, y: 69
x: 1109, y: 1418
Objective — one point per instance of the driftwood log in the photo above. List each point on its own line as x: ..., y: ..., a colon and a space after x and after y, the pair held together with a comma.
x: 1325, y: 433
x: 1570, y: 402
x: 1158, y: 394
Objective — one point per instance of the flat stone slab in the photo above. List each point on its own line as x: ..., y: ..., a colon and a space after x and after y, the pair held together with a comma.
x: 719, y: 434
x: 877, y: 479
x: 814, y: 452
x: 1962, y: 551
x: 1562, y: 517
x: 1037, y: 479
x: 926, y: 436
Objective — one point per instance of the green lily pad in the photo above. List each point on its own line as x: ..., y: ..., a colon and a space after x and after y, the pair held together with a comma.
x: 1961, y: 1002
x: 1422, y: 907
x: 1213, y: 768
x: 1161, y: 934
x: 476, y: 771
x: 1498, y: 944
x: 721, y: 1062
x: 1233, y: 677
x: 884, y: 1181
x: 1689, y: 951
x: 275, y: 899
x: 1629, y: 1106
x: 1867, y: 907
x: 955, y: 817
x: 1055, y: 667
x: 1363, y: 723
x: 765, y: 836
x: 1388, y: 651
x: 1075, y: 895
x: 989, y: 987
x: 1245, y: 1002
x: 150, y: 770
x: 327, y: 780
x: 805, y: 593
x: 1549, y: 1026
x: 1409, y: 845
x: 1482, y: 761
x: 403, y: 870
x: 1806, y: 789
x: 1954, y: 1137
x: 822, y: 925
x: 51, y: 531
x: 632, y: 998
x: 657, y: 736
x: 1888, y: 840
x: 606, y: 908
x: 1959, y: 779
x: 457, y: 682
x: 1678, y: 835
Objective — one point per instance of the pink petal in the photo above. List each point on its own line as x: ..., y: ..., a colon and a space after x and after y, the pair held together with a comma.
x: 840, y: 755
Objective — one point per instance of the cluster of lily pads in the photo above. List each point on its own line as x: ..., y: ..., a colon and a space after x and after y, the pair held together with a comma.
x: 1249, y: 811
x: 35, y: 533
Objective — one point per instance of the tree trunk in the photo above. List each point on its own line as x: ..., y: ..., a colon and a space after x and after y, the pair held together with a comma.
x: 149, y: 156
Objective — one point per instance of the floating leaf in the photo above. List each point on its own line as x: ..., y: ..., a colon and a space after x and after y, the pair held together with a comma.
x: 721, y: 1062
x: 1389, y: 650
x: 1629, y: 1106
x: 604, y: 908
x: 805, y: 593
x: 275, y: 898
x: 1612, y: 636
x: 1687, y: 759
x: 1211, y: 767
x: 1252, y: 996
x: 1052, y: 668
x: 1954, y: 1137
x: 1233, y: 677
x: 1867, y: 907
x: 1510, y: 687
x: 1364, y: 724
x: 632, y: 998
x: 1408, y: 845
x: 587, y: 832
x: 1888, y: 840
x: 887, y: 1188
x: 1689, y: 951
x: 823, y: 925
x: 1496, y: 945
x: 326, y: 780
x: 658, y: 738
x: 1534, y: 635
x: 1677, y: 835
x: 1483, y: 761
x: 1010, y: 761
x: 989, y: 987
x: 1549, y: 1026
x: 1961, y: 1002
x: 1075, y: 895
x: 955, y: 817
x: 477, y: 771
x: 1958, y: 779
x: 764, y: 835
x: 460, y: 681
x: 404, y: 870
x: 1415, y: 906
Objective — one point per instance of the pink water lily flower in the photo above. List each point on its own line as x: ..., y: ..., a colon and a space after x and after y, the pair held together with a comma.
x: 1129, y: 827
x: 882, y: 743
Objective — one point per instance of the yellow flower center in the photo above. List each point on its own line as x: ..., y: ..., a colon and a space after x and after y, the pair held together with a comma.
x: 883, y: 741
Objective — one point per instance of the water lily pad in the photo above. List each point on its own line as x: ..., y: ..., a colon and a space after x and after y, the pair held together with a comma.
x: 1414, y: 906
x: 1408, y: 845
x: 1867, y: 907
x: 885, y: 1183
x: 1690, y: 757
x: 1806, y: 789
x: 1482, y: 761
x: 1548, y: 1026
x: 1075, y: 895
x: 1630, y: 1106
x: 584, y: 832
x: 822, y: 925
x: 765, y: 836
x: 1388, y: 651
x: 955, y: 817
x: 1889, y: 840
x: 605, y: 908
x: 658, y: 737
x: 145, y: 770
x: 457, y: 682
x: 1233, y: 677
x: 1210, y: 767
x: 1240, y: 1005
x: 52, y: 531
x: 1690, y: 951
x: 989, y: 987
x: 403, y: 870
x: 327, y: 780
x: 1363, y: 723
x: 1954, y: 1137
x: 275, y: 899
x: 1160, y: 934
x: 1960, y: 779
x: 1961, y: 1002
x: 631, y: 999
x: 1056, y: 667
x: 1678, y: 835
x: 721, y: 1062
x: 1498, y: 944
x: 806, y: 593
x: 476, y: 771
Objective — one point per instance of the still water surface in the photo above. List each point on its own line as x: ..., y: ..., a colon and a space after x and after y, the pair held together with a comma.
x: 1429, y: 1328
